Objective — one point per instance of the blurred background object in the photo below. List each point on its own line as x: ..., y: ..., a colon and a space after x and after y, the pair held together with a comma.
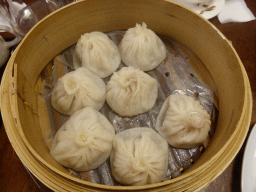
x: 23, y: 15
x: 18, y: 17
x: 6, y: 45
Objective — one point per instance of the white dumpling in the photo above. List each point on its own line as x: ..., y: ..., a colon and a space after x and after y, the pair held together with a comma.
x: 141, y: 48
x: 139, y: 157
x: 183, y: 122
x: 131, y: 92
x: 78, y: 89
x: 84, y: 142
x: 98, y: 53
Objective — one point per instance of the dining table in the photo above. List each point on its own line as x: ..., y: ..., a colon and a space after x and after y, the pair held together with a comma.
x: 15, y: 177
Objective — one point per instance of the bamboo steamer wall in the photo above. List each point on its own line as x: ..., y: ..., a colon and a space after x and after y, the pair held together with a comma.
x: 19, y: 104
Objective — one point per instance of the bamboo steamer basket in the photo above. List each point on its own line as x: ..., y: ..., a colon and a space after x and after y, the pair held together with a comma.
x: 61, y: 29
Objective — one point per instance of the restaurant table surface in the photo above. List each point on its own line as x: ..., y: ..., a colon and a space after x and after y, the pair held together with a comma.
x: 14, y: 177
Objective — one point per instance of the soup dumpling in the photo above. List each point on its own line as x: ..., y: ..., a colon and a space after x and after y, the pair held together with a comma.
x: 96, y: 52
x: 131, y: 92
x: 183, y: 122
x: 84, y: 142
x: 141, y: 48
x: 139, y: 157
x: 78, y: 89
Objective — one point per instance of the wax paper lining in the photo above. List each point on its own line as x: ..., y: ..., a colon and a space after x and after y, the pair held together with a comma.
x: 174, y: 75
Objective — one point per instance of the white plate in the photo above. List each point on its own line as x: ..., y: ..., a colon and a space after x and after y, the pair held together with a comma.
x: 208, y: 10
x: 249, y: 164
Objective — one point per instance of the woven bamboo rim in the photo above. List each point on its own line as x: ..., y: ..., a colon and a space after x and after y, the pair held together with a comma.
x: 199, y: 176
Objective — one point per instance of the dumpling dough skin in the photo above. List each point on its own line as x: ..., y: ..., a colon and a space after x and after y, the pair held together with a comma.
x: 183, y: 122
x: 139, y: 157
x: 141, y: 48
x: 131, y: 92
x: 78, y: 89
x: 96, y: 52
x: 84, y: 142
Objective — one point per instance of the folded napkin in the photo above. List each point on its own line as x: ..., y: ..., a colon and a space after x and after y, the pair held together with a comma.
x: 3, y: 21
x: 235, y: 11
